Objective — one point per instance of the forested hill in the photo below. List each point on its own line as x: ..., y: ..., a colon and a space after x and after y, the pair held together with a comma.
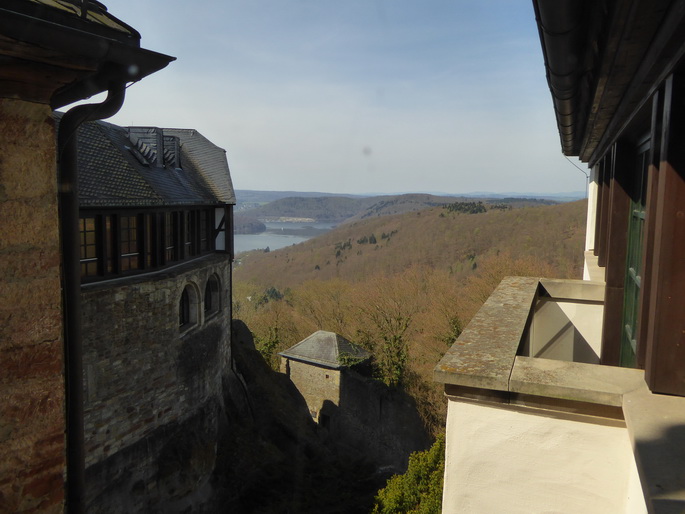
x: 337, y: 209
x: 439, y: 238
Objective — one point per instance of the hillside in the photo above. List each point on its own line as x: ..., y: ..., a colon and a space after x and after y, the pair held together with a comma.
x: 338, y: 209
x: 403, y: 286
x: 434, y: 237
x: 248, y: 198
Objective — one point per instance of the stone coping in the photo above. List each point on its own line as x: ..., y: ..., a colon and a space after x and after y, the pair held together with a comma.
x: 485, y: 357
x: 577, y: 381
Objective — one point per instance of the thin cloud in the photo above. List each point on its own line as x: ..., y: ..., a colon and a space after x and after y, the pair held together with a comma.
x: 356, y: 96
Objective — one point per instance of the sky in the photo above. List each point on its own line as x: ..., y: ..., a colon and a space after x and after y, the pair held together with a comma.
x: 356, y: 96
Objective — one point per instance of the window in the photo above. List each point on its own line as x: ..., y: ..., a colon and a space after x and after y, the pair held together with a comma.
x: 170, y: 230
x: 150, y: 236
x: 109, y: 243
x: 204, y: 231
x: 212, y: 303
x: 633, y: 279
x: 184, y: 309
x: 190, y: 233
x: 125, y: 242
x: 129, y: 258
x: 187, y: 307
x: 89, y: 258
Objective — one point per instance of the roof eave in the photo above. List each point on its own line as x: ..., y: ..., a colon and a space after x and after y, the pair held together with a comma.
x: 91, y: 60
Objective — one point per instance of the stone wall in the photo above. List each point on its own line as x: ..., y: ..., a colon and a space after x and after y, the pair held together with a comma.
x: 315, y: 383
x: 382, y: 421
x: 32, y: 422
x: 360, y: 413
x: 153, y: 390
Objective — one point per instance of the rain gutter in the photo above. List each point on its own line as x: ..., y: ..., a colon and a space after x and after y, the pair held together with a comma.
x: 562, y: 32
x: 67, y: 146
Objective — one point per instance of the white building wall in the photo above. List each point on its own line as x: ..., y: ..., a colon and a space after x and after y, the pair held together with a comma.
x: 566, y: 330
x: 503, y: 460
x: 593, y: 189
x: 590, y: 224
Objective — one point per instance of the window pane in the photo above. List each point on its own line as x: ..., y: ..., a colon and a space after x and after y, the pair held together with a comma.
x: 88, y: 246
x: 128, y: 247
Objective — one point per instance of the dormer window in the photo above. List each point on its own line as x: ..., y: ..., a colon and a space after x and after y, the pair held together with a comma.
x: 152, y: 148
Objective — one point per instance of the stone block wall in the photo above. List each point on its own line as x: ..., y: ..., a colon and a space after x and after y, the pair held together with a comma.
x: 361, y: 413
x: 153, y: 390
x: 315, y: 383
x: 382, y: 420
x: 32, y: 418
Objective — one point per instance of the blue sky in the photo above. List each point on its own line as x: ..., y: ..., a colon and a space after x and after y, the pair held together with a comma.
x: 357, y: 96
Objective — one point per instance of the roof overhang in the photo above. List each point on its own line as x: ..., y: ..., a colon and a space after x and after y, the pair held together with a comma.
x: 58, y: 56
x: 602, y: 59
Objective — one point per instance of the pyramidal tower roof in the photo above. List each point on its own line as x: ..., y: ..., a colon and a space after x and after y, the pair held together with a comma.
x: 325, y: 349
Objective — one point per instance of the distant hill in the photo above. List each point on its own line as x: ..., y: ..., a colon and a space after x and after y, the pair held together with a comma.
x: 569, y: 196
x: 249, y: 199
x: 435, y: 237
x: 339, y: 209
x: 247, y: 225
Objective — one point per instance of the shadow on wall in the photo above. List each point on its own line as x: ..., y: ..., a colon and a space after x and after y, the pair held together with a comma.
x: 179, y: 479
x: 271, y: 456
x: 375, y: 420
x: 662, y: 459
x: 554, y: 335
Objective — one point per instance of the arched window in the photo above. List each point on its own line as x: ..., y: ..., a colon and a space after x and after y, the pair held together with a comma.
x: 187, y: 307
x: 212, y: 300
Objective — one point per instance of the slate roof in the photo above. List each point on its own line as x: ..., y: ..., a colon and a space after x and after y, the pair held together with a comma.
x: 116, y: 170
x: 324, y: 348
x: 209, y: 159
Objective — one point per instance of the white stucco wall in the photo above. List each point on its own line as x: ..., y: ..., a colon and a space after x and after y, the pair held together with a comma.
x: 587, y: 319
x: 593, y: 188
x: 510, y: 461
x: 566, y: 330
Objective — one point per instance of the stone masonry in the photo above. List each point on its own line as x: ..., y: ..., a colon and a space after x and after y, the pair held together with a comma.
x: 32, y: 420
x: 153, y: 390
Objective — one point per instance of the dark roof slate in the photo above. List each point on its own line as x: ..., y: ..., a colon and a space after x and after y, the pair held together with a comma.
x: 113, y: 174
x: 324, y: 349
x: 209, y: 159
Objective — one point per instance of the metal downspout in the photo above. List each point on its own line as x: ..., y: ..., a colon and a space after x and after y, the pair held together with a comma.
x: 71, y: 284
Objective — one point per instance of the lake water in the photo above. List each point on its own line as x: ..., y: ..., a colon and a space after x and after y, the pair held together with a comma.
x: 279, y: 235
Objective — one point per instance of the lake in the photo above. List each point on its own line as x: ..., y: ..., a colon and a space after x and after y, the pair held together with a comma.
x: 279, y: 234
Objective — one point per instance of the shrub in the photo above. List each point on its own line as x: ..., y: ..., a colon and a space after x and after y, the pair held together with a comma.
x: 419, y: 490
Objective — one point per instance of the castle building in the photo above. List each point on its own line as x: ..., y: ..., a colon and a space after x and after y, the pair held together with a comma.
x: 355, y: 410
x: 155, y: 225
x: 53, y: 54
x: 569, y: 395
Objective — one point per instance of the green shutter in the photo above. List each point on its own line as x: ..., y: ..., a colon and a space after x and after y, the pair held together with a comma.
x: 633, y: 280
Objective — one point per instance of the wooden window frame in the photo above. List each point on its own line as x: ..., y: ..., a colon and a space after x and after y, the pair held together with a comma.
x: 162, y: 238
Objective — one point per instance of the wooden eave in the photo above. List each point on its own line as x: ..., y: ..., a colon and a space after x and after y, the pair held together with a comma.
x: 48, y: 62
x: 627, y: 48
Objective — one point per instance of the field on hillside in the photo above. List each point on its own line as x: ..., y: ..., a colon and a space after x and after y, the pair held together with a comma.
x: 403, y: 286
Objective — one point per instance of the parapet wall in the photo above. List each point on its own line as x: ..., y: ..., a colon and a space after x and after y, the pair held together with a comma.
x: 153, y: 389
